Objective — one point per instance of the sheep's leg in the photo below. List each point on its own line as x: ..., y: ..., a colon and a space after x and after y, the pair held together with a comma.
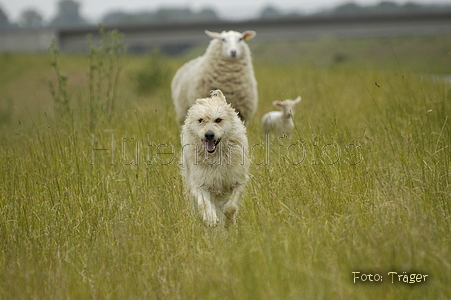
x: 231, y: 207
x: 205, y: 208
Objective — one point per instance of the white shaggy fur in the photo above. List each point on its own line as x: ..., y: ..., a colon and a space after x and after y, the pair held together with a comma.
x: 280, y: 122
x: 226, y: 65
x: 214, y: 158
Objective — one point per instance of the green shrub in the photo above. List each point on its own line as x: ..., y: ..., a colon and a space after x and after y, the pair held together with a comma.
x: 155, y: 74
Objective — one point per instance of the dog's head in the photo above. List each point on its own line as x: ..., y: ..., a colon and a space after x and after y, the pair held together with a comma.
x: 212, y: 120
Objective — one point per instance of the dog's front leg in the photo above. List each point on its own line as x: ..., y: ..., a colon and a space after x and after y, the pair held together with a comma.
x: 206, y: 209
x: 231, y: 207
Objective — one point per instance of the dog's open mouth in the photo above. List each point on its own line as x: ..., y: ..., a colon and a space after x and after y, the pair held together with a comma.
x: 210, y: 145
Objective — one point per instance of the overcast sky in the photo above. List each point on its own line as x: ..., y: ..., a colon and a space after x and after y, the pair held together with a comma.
x: 94, y: 10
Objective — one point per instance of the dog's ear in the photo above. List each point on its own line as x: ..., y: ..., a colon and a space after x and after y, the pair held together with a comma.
x: 218, y: 93
x: 201, y: 101
x: 297, y: 100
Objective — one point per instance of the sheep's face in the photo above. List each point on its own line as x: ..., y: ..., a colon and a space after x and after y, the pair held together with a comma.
x: 232, y: 41
x: 287, y: 106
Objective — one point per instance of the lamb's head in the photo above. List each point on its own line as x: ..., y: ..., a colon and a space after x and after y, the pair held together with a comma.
x: 287, y: 106
x: 232, y: 41
x: 210, y: 119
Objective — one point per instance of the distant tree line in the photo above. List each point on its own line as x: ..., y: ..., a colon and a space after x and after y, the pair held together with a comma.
x: 381, y: 7
x: 68, y: 14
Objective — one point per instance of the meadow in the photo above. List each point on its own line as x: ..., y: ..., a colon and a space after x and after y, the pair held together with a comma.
x: 92, y: 203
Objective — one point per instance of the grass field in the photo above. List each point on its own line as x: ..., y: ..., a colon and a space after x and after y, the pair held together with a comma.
x: 92, y: 204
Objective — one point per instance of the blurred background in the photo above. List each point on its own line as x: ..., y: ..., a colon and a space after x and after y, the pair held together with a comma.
x: 89, y: 209
x: 174, y: 26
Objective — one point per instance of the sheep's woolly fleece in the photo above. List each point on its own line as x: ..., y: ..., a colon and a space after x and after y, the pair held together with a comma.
x: 226, y: 65
x: 214, y: 158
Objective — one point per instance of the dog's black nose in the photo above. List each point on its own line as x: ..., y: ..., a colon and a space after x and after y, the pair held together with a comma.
x: 209, y: 135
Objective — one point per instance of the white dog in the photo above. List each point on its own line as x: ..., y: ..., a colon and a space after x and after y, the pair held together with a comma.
x: 214, y: 158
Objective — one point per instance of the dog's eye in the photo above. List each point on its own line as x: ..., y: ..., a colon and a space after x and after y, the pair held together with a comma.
x: 218, y: 120
x: 201, y: 120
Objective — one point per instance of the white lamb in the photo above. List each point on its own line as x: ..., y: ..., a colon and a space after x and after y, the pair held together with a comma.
x: 226, y: 65
x: 280, y: 122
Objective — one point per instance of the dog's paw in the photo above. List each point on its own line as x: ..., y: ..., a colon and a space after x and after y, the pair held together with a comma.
x: 210, y: 218
x: 230, y: 211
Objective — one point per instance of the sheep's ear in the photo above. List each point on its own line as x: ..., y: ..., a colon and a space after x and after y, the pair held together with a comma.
x: 248, y: 35
x: 213, y: 35
x: 277, y: 103
x: 297, y: 100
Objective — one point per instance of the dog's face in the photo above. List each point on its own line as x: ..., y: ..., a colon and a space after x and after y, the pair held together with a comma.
x: 211, y: 121
x: 232, y: 41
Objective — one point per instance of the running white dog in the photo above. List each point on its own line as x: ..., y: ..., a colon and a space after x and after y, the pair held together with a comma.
x: 214, y: 158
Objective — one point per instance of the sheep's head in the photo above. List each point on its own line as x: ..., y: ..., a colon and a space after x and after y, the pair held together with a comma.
x: 232, y: 41
x: 287, y: 106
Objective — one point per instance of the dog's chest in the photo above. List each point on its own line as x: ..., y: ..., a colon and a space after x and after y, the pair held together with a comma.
x: 219, y: 178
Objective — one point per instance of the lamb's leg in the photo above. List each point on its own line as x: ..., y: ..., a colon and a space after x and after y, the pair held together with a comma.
x: 231, y: 207
x: 205, y: 208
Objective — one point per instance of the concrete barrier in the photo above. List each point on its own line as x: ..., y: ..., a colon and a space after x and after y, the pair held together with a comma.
x: 33, y: 40
x: 174, y: 37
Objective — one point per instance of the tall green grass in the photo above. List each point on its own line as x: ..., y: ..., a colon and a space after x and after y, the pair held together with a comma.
x: 98, y: 211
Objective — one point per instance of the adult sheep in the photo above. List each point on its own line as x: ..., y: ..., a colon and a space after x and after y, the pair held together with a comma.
x: 226, y: 65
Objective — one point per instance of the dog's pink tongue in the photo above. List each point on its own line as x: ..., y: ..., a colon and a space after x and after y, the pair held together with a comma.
x: 209, y: 144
